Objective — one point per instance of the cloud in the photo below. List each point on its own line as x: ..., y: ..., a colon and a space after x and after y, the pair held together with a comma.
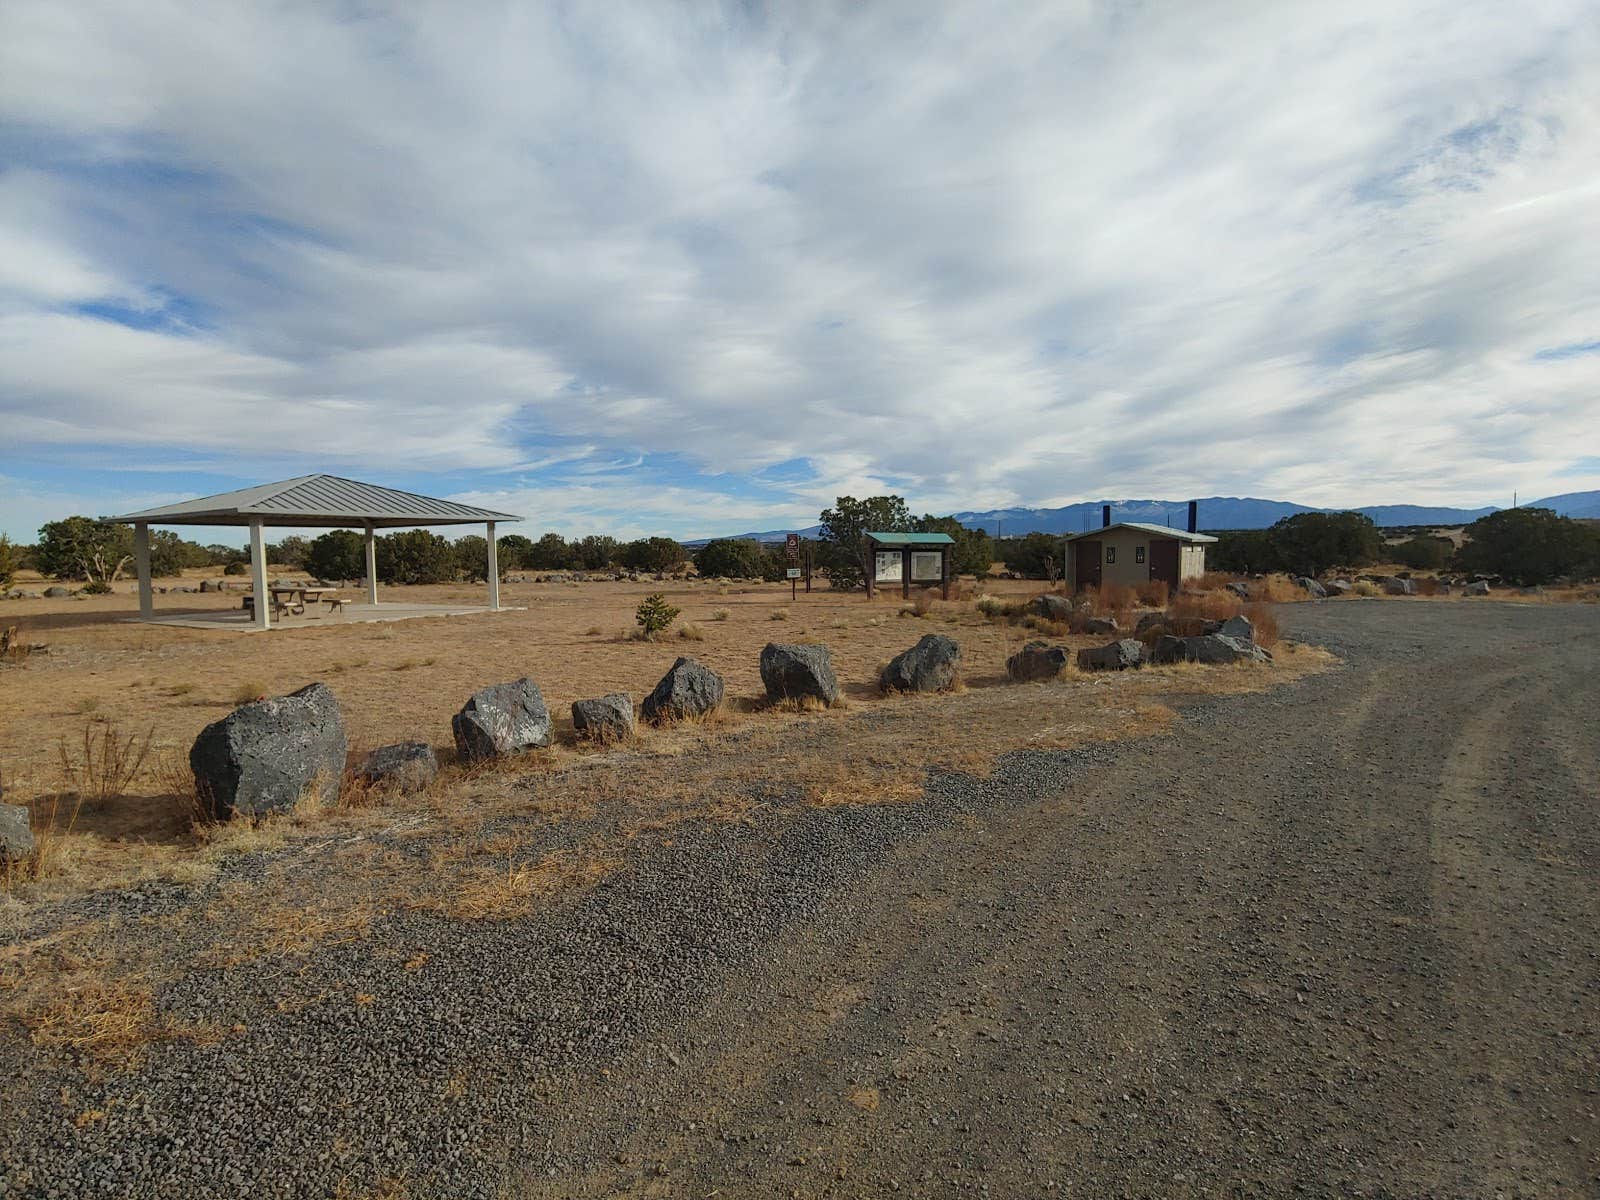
x: 982, y: 255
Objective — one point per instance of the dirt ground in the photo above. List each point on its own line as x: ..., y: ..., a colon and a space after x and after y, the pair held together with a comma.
x: 1330, y: 938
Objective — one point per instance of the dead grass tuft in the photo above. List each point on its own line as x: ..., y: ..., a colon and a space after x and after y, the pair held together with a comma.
x: 778, y: 614
x: 691, y: 633
x: 494, y: 889
x: 99, y: 767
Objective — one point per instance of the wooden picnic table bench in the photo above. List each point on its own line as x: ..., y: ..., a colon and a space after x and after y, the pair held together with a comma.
x: 292, y: 598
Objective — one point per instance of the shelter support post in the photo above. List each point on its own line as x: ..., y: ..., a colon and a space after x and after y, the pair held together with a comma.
x: 258, y: 575
x: 494, y: 567
x: 141, y: 561
x: 372, y: 564
x: 905, y: 573
x: 944, y: 573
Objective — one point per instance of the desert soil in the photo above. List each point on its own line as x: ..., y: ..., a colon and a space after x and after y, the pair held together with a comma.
x: 1340, y: 937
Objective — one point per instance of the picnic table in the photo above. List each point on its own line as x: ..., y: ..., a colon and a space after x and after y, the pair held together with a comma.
x: 293, y: 598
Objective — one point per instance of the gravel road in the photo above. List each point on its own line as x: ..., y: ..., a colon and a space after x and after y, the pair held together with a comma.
x: 1342, y: 938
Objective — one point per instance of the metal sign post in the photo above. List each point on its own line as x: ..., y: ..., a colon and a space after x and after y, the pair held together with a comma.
x: 791, y: 552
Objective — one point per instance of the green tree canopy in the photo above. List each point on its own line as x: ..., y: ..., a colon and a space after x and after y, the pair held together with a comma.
x: 288, y: 552
x: 736, y: 558
x: 83, y: 548
x: 1034, y: 555
x: 170, y: 554
x: 846, y: 553
x: 416, y: 556
x: 652, y: 554
x: 593, y: 553
x: 1310, y: 543
x: 1422, y: 553
x: 8, y: 560
x: 551, y: 553
x: 336, y: 556
x: 1530, y: 546
x: 974, y: 549
x: 514, y: 552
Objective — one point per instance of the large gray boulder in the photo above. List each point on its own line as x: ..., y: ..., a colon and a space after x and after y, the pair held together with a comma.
x: 503, y: 720
x: 1313, y: 587
x: 1339, y: 587
x: 1393, y: 585
x: 1217, y: 649
x: 1035, y: 661
x: 929, y: 666
x: 1150, y: 621
x: 1240, y: 589
x: 404, y: 767
x: 1478, y: 587
x: 16, y: 834
x: 1052, y: 607
x: 56, y: 592
x: 1239, y: 628
x: 689, y: 689
x: 1101, y: 626
x: 263, y: 757
x: 1169, y: 649
x: 1117, y: 656
x: 792, y: 672
x: 606, y: 718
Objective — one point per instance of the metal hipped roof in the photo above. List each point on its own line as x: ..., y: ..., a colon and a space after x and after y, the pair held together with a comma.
x: 317, y: 500
x: 1165, y: 531
x: 912, y: 539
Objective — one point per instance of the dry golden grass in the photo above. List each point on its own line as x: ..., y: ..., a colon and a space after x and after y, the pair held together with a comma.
x: 99, y: 766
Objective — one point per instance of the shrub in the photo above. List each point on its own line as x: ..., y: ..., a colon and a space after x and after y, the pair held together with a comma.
x: 416, y: 556
x: 778, y: 614
x: 1530, y: 546
x: 691, y: 633
x: 1424, y: 553
x: 96, y: 587
x: 239, y: 568
x: 844, y: 552
x: 720, y: 614
x: 100, y: 768
x: 652, y: 554
x: 337, y: 555
x: 738, y: 557
x: 8, y: 560
x: 654, y: 615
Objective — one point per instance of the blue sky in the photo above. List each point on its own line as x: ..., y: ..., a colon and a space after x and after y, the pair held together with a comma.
x: 689, y: 268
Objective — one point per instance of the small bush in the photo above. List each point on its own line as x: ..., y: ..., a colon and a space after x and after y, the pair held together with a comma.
x: 778, y: 614
x: 654, y: 615
x: 691, y: 633
x: 721, y: 614
x: 923, y: 604
x: 239, y: 568
x: 249, y: 693
x: 593, y: 631
x: 96, y: 587
x: 1365, y: 587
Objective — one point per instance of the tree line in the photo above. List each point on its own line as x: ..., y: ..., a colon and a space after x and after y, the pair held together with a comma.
x: 1522, y: 545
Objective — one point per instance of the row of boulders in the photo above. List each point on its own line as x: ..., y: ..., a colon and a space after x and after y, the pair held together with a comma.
x: 1227, y: 641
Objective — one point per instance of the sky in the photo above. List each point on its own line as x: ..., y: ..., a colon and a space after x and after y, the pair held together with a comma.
x: 693, y: 268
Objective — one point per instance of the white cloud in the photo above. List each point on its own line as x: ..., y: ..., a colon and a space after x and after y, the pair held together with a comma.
x: 1022, y: 253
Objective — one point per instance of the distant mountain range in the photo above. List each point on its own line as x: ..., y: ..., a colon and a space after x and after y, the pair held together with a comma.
x: 1216, y: 512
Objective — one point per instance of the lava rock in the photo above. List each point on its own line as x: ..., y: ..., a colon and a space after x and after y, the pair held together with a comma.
x: 1394, y: 585
x: 791, y: 672
x: 1149, y: 621
x: 502, y: 720
x: 1216, y: 649
x: 1116, y: 656
x: 1052, y: 607
x: 929, y: 666
x: 57, y: 592
x: 606, y: 718
x: 689, y: 689
x: 265, y: 756
x: 1101, y: 626
x: 1313, y: 587
x: 1478, y: 587
x: 1169, y: 649
x: 1035, y: 661
x: 16, y: 834
x: 1239, y: 628
x: 404, y: 767
x: 1240, y: 589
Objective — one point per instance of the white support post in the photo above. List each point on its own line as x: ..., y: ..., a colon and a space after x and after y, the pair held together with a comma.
x: 141, y: 560
x: 372, y: 565
x: 494, y: 568
x: 258, y: 575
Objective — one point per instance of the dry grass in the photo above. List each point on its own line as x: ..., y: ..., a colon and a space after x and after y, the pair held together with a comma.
x: 691, y: 633
x: 778, y: 614
x: 99, y: 766
x: 488, y: 887
x: 248, y: 693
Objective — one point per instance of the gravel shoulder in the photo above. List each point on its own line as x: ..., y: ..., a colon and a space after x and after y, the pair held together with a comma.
x: 1338, y: 938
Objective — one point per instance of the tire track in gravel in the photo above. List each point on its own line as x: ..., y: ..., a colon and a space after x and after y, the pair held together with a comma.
x: 1307, y: 946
